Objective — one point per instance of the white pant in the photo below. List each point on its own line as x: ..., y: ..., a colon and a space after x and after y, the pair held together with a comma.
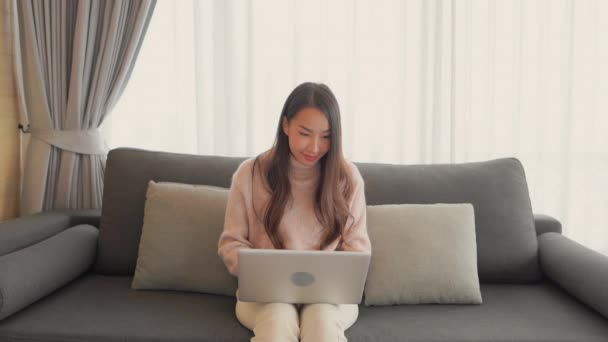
x: 289, y: 322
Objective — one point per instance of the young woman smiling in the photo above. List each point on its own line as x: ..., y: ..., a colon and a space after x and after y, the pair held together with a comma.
x: 300, y: 194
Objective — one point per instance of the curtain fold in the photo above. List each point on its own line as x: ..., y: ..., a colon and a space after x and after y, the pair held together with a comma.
x: 73, y: 61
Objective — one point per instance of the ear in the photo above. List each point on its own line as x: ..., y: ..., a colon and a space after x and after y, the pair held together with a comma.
x: 285, y: 125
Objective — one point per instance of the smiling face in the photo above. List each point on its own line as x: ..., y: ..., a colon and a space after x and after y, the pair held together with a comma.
x: 309, y: 135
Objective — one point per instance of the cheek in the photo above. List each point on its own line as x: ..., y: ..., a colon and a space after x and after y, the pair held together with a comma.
x: 296, y: 142
x: 326, y: 145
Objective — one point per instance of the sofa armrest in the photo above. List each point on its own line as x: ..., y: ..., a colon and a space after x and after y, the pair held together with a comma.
x: 580, y: 271
x: 28, y: 230
x: 545, y: 224
x: 33, y: 272
x: 82, y: 216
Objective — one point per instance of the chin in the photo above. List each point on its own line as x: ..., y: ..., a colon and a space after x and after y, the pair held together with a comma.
x: 310, y: 162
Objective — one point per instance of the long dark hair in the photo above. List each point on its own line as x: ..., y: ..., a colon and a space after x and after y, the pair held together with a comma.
x: 334, y: 187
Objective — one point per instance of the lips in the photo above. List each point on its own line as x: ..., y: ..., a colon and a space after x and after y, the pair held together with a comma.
x: 309, y: 158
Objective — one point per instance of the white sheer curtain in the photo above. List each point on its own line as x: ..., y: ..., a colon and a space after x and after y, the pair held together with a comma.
x: 417, y: 81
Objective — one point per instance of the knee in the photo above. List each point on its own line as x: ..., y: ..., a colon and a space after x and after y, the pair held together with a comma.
x: 316, y: 312
x: 321, y: 316
x: 279, y: 310
x: 321, y: 322
x: 277, y: 319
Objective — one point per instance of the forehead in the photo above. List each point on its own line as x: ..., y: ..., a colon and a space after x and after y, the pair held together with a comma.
x: 312, y: 118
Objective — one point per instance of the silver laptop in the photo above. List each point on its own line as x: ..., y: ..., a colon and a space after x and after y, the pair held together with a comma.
x: 302, y: 277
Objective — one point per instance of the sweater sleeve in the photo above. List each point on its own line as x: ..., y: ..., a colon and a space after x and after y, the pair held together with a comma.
x: 356, y: 238
x: 236, y: 226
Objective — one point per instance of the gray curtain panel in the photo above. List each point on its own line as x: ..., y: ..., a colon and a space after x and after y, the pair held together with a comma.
x: 72, y: 62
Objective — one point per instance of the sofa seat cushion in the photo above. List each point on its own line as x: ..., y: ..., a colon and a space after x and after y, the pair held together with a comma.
x: 535, y: 312
x: 101, y: 308
x: 105, y: 308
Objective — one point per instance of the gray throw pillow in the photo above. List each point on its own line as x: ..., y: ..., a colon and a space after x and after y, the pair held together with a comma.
x: 178, y: 245
x: 422, y: 253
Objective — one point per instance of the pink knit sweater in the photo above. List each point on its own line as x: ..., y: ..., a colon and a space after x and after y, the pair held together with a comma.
x: 299, y: 226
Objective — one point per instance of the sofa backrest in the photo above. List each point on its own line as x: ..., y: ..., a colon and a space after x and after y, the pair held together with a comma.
x: 506, y: 239
x: 507, y: 247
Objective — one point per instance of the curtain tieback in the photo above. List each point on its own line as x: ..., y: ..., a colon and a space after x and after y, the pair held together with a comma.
x: 86, y: 141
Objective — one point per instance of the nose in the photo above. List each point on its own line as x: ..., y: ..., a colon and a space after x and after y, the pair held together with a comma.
x: 315, y: 146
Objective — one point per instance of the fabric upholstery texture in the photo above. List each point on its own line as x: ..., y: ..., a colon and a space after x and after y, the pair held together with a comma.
x: 423, y: 253
x: 579, y: 270
x: 100, y: 308
x: 97, y: 307
x: 178, y: 246
x: 538, y: 312
x: 27, y: 230
x: 126, y: 181
x: 545, y: 224
x: 507, y: 248
x: 33, y: 272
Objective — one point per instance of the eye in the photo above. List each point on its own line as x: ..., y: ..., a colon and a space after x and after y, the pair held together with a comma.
x: 327, y: 137
x: 303, y: 134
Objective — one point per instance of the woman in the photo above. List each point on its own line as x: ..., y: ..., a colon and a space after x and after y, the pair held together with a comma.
x: 300, y: 194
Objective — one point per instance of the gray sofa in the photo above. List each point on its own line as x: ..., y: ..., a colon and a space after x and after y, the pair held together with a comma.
x: 66, y: 275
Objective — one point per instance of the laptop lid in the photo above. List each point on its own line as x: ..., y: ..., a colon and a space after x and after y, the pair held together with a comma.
x: 302, y: 277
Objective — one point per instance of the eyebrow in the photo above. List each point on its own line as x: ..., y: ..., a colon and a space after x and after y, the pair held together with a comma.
x: 310, y: 130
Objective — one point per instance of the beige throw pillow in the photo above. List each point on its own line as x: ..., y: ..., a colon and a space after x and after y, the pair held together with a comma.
x: 178, y: 246
x: 422, y: 253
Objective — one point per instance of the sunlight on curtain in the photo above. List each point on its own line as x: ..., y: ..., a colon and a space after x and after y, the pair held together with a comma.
x: 417, y: 82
